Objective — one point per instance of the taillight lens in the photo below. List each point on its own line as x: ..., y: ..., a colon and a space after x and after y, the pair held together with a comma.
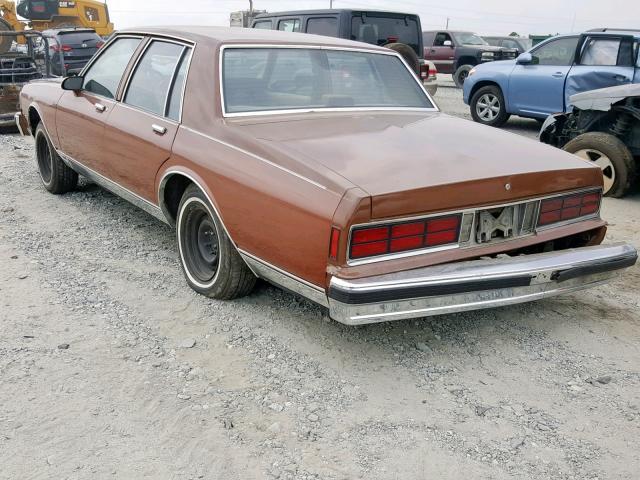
x: 99, y: 44
x: 569, y: 207
x: 404, y: 236
x: 334, y: 243
x: 63, y: 48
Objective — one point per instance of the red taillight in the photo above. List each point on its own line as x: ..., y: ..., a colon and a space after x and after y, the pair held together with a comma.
x: 99, y: 44
x: 334, y: 243
x: 63, y: 48
x: 433, y: 71
x: 404, y: 236
x: 569, y: 207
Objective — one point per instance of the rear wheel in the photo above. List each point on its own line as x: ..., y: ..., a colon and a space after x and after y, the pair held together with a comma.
x: 612, y: 156
x: 210, y: 261
x: 5, y: 42
x: 461, y: 75
x: 487, y: 107
x: 55, y: 175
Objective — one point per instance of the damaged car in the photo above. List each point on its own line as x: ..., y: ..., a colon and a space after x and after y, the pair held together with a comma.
x: 603, y: 127
x: 322, y: 166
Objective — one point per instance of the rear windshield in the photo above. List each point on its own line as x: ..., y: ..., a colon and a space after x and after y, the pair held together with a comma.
x: 79, y: 37
x: 380, y: 30
x: 267, y: 79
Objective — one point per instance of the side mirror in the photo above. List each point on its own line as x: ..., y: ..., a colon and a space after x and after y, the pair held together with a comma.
x: 447, y: 43
x: 525, y: 59
x: 73, y: 83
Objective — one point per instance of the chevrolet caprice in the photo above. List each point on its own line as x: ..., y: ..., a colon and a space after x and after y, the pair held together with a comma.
x: 322, y: 166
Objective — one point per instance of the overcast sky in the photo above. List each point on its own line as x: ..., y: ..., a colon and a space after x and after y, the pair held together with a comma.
x: 484, y: 17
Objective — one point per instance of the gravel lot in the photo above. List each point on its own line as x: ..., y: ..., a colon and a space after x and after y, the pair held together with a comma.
x: 111, y: 367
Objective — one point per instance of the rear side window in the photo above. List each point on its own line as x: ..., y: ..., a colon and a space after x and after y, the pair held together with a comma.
x: 152, y: 78
x: 289, y: 25
x: 175, y: 95
x: 263, y: 25
x: 380, y: 30
x: 608, y: 52
x: 104, y: 75
x: 327, y: 26
x: 560, y: 52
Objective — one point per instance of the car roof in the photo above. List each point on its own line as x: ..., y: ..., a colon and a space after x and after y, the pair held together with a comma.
x: 328, y: 12
x: 69, y: 30
x: 221, y: 35
x: 615, y: 31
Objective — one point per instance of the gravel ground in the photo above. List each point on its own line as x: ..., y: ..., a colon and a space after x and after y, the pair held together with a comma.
x: 111, y: 367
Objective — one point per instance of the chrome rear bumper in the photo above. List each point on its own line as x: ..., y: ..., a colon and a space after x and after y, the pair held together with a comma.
x: 473, y: 285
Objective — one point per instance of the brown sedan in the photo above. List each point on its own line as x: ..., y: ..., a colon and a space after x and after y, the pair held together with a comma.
x: 323, y: 166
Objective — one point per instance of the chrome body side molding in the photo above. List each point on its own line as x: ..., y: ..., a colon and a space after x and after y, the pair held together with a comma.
x: 280, y: 278
x: 114, y: 187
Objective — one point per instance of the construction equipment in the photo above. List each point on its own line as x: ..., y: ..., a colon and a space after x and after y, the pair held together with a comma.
x: 46, y: 14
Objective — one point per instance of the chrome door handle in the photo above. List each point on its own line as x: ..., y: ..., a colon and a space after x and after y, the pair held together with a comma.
x: 159, y: 129
x: 99, y: 107
x: 558, y: 74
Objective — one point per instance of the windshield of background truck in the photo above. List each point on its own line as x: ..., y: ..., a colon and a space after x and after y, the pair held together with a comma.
x: 465, y: 38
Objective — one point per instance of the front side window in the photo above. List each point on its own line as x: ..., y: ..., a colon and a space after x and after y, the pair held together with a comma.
x: 441, y: 38
x: 150, y: 83
x: 289, y: 25
x: 327, y: 26
x: 299, y: 79
x: 104, y: 75
x: 560, y: 52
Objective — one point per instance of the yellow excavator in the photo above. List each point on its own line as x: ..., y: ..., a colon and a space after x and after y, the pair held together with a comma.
x: 44, y: 14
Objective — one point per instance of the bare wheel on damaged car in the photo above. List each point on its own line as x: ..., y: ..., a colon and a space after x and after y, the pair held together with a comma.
x: 325, y: 142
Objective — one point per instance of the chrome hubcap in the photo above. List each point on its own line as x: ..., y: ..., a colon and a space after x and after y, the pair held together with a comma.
x: 488, y: 107
x: 601, y: 160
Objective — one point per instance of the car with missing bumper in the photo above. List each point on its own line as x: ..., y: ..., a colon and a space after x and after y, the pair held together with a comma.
x: 345, y: 185
x: 603, y: 127
x: 540, y: 82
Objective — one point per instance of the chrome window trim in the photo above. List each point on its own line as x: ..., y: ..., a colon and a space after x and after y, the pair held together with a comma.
x: 257, y: 157
x: 185, y: 51
x: 311, y: 110
x: 468, y: 211
x: 134, y: 69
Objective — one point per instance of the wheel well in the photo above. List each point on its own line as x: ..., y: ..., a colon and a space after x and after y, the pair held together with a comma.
x: 466, y: 61
x: 172, y: 192
x: 34, y: 119
x: 480, y: 85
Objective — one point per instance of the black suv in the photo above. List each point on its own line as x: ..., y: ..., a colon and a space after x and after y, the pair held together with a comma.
x: 458, y: 52
x: 399, y: 31
x: 71, y: 48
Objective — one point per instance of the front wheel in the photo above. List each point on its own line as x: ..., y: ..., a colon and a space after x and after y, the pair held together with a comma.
x: 487, y: 107
x: 461, y: 75
x: 612, y: 156
x: 55, y: 175
x: 210, y: 261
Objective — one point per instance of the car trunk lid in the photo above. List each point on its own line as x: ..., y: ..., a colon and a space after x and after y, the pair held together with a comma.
x: 415, y: 163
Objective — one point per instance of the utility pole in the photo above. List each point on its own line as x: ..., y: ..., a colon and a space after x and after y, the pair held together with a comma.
x: 448, y: 23
x: 251, y: 7
x: 330, y: 3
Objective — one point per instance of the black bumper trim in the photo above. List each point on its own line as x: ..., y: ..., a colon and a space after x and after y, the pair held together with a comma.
x: 606, y: 266
x: 421, y: 291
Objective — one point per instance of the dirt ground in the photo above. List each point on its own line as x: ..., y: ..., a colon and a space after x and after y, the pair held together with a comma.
x: 111, y: 367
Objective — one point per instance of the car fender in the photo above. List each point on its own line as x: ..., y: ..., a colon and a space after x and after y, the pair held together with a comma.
x: 492, y: 73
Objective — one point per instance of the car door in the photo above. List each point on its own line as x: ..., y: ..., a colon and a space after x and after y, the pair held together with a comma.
x: 443, y: 56
x: 536, y: 89
x: 603, y: 61
x: 81, y: 116
x: 141, y: 128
